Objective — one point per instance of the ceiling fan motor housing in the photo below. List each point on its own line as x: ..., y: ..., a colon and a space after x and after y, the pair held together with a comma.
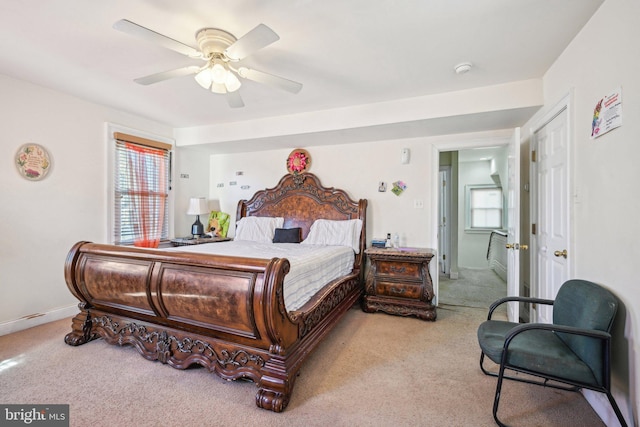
x: 212, y: 41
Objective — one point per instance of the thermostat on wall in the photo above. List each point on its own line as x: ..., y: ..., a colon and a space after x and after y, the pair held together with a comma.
x: 406, y: 153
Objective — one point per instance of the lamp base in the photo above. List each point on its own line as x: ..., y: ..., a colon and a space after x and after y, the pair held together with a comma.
x: 197, y: 229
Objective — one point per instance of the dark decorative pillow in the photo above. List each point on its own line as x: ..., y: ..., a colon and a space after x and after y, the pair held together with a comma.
x: 287, y: 235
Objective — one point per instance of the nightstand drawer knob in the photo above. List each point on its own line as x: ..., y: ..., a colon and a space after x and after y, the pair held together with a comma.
x: 399, y: 270
x: 397, y: 291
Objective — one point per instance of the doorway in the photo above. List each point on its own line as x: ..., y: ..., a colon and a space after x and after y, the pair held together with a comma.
x: 468, y: 276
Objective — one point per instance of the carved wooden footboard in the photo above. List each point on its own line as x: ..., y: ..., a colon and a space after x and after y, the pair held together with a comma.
x: 224, y: 313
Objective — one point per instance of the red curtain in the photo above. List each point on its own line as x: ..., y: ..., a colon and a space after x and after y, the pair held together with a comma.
x: 148, y: 193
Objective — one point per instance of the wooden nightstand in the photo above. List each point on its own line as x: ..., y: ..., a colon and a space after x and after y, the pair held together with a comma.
x: 399, y: 282
x: 186, y: 241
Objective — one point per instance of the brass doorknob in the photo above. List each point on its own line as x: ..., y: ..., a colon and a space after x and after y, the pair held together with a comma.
x: 516, y: 246
x: 562, y: 253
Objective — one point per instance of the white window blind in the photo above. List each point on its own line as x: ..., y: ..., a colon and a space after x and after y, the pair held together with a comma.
x: 484, y: 204
x: 142, y: 184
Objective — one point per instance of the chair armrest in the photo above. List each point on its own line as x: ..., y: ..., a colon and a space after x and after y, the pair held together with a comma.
x: 501, y: 301
x: 593, y: 333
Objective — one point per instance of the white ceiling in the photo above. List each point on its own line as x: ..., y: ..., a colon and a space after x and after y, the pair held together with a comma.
x: 345, y: 52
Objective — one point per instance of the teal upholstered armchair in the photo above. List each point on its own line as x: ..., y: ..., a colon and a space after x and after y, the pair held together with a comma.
x: 571, y: 353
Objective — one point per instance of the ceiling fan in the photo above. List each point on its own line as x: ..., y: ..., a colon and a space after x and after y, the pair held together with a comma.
x: 222, y: 53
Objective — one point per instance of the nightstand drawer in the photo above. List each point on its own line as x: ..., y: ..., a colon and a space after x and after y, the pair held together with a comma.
x: 399, y: 289
x: 399, y: 269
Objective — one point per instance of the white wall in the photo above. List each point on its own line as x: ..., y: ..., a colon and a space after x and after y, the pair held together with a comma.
x: 472, y: 245
x: 355, y: 167
x: 606, y: 173
x: 41, y: 220
x: 191, y: 180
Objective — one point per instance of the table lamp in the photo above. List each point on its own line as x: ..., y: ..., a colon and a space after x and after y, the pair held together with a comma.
x: 197, y: 206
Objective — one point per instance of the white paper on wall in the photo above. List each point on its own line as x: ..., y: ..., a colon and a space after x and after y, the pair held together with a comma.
x: 607, y: 114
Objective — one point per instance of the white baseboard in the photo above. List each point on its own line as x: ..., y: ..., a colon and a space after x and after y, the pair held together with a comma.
x: 37, y: 319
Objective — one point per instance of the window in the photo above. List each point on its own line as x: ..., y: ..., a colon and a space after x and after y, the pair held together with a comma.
x: 141, y: 190
x: 484, y: 207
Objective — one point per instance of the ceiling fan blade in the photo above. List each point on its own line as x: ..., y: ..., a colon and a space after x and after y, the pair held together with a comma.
x: 234, y: 99
x: 166, y: 75
x: 254, y: 40
x: 134, y: 29
x: 270, y: 79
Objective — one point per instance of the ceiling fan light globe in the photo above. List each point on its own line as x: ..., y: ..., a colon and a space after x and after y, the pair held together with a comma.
x: 204, y: 78
x: 219, y: 74
x: 218, y: 88
x: 232, y: 83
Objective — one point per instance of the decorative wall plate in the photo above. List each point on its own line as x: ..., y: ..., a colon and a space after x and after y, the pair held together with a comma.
x: 299, y: 161
x: 33, y: 162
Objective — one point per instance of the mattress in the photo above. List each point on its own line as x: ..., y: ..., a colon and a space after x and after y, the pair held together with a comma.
x: 311, y: 266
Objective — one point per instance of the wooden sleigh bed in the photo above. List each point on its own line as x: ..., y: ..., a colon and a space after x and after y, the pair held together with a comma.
x: 226, y: 313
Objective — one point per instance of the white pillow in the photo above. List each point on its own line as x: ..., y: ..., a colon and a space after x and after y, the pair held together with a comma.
x: 258, y: 228
x: 335, y: 233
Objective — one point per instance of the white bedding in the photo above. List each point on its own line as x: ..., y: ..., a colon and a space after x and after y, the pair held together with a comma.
x: 312, y: 266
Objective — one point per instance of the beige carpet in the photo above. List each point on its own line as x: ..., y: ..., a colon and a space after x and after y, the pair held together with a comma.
x: 474, y: 287
x: 374, y: 369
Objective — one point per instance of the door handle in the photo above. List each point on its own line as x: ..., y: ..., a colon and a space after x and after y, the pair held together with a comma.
x: 562, y: 253
x: 516, y: 246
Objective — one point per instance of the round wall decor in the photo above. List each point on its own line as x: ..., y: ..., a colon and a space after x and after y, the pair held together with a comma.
x: 299, y: 161
x: 33, y: 162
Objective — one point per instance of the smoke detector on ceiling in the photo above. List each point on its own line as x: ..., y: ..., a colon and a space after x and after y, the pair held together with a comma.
x: 463, y: 68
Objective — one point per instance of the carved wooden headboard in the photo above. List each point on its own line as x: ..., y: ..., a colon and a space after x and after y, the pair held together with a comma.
x: 300, y: 200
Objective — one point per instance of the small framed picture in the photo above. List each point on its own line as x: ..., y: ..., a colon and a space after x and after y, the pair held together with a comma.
x: 398, y: 187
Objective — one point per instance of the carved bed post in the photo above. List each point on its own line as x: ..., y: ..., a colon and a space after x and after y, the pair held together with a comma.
x: 275, y: 385
x: 81, y: 325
